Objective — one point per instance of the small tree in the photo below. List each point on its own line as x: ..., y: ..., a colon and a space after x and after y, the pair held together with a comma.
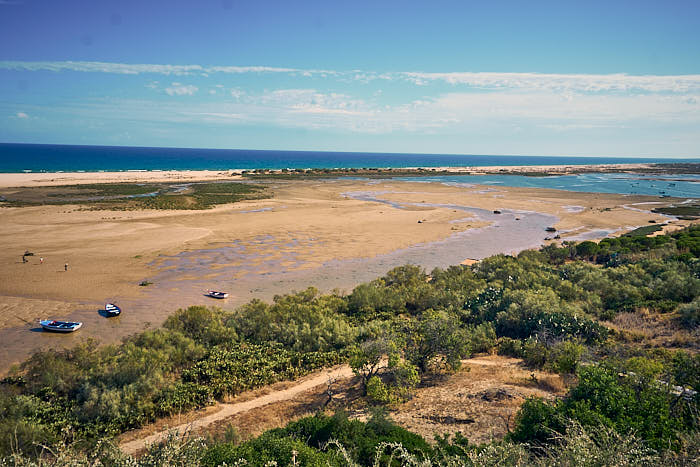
x: 367, y: 359
x: 436, y: 341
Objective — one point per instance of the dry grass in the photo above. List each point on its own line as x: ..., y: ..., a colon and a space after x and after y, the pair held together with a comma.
x: 480, y: 400
x: 653, y: 329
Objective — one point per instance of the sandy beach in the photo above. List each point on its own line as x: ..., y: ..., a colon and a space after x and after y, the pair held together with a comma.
x: 33, y: 179
x: 305, y: 230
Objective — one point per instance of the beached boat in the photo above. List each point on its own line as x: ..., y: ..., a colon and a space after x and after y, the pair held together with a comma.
x: 215, y: 294
x: 59, y: 326
x: 112, y: 310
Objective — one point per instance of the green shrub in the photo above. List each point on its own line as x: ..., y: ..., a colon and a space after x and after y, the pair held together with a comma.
x: 602, y: 398
x: 510, y: 347
x: 689, y: 314
x: 483, y: 338
x: 377, y: 391
x: 565, y: 357
x: 535, y: 353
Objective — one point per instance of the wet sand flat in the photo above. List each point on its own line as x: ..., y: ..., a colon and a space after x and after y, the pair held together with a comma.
x: 329, y: 234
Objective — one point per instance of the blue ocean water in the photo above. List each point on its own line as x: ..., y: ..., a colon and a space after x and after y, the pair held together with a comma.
x: 55, y: 158
x: 676, y: 185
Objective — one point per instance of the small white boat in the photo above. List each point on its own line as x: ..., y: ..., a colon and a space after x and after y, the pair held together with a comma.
x: 215, y: 294
x: 59, y: 326
x: 112, y: 310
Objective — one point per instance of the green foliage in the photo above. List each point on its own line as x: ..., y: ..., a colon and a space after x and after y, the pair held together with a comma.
x: 128, y: 196
x: 305, y: 321
x: 537, y: 422
x: 587, y: 249
x: 644, y: 368
x: 367, y: 358
x: 602, y: 398
x: 644, y: 231
x: 310, y: 437
x: 689, y: 314
x: 336, y: 441
x: 377, y: 391
x: 483, y: 338
x: 436, y: 341
x: 691, y: 211
x: 249, y: 366
x: 688, y: 240
x: 404, y: 378
x: 204, y: 325
x: 685, y: 369
x: 359, y: 439
x: 565, y: 356
x: 535, y: 353
x: 510, y: 347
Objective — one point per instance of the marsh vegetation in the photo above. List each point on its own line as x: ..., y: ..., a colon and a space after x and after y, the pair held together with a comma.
x: 134, y: 196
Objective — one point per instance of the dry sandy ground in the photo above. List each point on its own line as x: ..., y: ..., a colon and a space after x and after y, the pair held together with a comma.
x: 79, y: 178
x: 480, y: 401
x: 109, y: 252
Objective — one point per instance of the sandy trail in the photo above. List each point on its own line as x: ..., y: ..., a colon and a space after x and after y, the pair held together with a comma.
x: 227, y: 410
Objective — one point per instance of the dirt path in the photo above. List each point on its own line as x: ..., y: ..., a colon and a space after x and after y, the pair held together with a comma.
x: 226, y: 410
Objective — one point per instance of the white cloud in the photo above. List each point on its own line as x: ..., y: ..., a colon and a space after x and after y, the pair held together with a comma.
x: 217, y: 115
x: 102, y: 67
x: 22, y: 115
x: 561, y: 82
x: 140, y: 68
x: 178, y: 89
x: 617, y: 82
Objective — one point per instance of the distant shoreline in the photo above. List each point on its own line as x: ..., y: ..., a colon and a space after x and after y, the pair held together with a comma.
x: 34, y: 179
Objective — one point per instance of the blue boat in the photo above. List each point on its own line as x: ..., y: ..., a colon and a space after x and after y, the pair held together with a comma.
x: 59, y: 326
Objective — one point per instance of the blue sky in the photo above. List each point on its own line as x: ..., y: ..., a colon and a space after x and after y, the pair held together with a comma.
x: 617, y: 78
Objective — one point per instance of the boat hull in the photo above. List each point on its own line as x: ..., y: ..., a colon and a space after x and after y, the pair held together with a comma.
x: 219, y: 295
x: 60, y: 326
x: 112, y: 310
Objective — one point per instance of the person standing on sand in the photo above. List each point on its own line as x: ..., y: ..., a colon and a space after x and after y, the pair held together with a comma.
x: 41, y: 260
x: 65, y: 267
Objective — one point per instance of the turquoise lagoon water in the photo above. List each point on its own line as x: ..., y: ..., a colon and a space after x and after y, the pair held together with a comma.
x: 677, y: 185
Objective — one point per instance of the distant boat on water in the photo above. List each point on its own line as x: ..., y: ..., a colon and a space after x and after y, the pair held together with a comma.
x: 60, y: 326
x: 215, y: 294
x: 112, y: 310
